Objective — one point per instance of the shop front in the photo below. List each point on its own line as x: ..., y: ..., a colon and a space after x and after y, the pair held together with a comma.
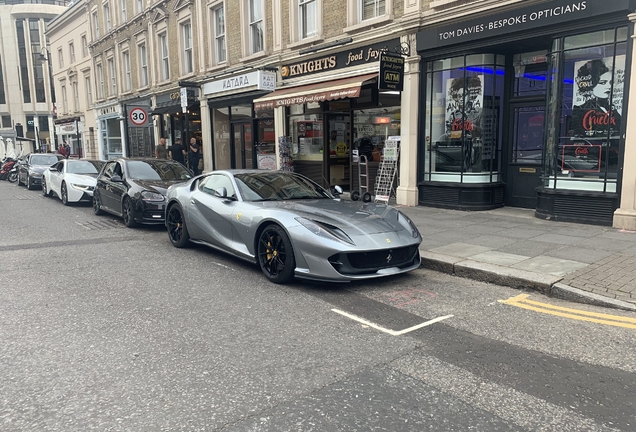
x: 174, y: 124
x: 70, y: 131
x: 524, y: 108
x: 242, y: 135
x: 110, y: 128
x: 333, y: 112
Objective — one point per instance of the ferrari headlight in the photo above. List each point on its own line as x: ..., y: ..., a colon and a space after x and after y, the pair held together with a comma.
x: 151, y: 196
x: 82, y: 188
x: 408, y: 224
x: 325, y: 230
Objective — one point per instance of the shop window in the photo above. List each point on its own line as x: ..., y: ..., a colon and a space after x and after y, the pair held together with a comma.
x: 531, y: 73
x: 372, y: 127
x: 463, y: 119
x: 306, y: 131
x: 587, y: 99
x: 241, y: 112
x: 266, y: 140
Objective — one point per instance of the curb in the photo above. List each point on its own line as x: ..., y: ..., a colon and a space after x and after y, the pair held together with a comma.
x: 521, y: 279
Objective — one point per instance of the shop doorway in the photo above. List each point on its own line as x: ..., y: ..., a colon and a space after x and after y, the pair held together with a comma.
x: 337, y: 167
x: 242, y: 146
x: 526, y: 150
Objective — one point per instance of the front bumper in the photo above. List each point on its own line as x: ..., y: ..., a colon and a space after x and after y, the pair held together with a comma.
x: 373, y: 256
x: 150, y: 212
x: 80, y: 194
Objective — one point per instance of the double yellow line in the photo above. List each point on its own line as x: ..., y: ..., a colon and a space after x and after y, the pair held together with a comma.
x: 580, y: 315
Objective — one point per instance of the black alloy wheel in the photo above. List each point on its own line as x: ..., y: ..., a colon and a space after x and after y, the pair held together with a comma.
x: 28, y: 182
x: 64, y: 192
x: 45, y: 192
x: 13, y: 177
x: 177, y: 230
x: 276, y: 255
x: 97, y: 205
x: 127, y: 213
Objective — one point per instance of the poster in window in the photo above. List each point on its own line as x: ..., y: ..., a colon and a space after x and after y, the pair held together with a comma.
x: 464, y: 105
x: 597, y: 105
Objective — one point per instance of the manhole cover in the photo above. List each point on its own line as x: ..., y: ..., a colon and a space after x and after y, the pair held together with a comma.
x: 100, y: 225
x: 28, y: 197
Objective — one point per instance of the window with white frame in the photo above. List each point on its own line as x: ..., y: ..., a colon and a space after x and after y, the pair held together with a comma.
x: 89, y: 92
x: 64, y: 100
x: 84, y: 46
x: 124, y: 15
x: 139, y: 6
x: 143, y: 65
x: 112, y: 76
x: 95, y: 25
x: 127, y: 78
x: 307, y: 18
x: 255, y: 14
x: 369, y: 9
x: 219, y: 34
x: 60, y: 56
x: 186, y: 32
x: 165, y: 61
x: 100, y: 81
x: 107, y: 21
x: 71, y: 52
x: 76, y: 106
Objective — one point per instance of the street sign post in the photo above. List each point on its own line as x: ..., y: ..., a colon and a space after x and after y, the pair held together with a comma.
x: 138, y: 116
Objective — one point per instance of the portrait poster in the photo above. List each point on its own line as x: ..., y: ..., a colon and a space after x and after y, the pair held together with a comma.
x: 597, y: 97
x: 464, y: 105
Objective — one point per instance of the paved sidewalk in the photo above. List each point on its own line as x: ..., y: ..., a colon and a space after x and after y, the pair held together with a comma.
x: 509, y: 246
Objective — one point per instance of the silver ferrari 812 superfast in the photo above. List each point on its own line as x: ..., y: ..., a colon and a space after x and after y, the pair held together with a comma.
x: 290, y: 226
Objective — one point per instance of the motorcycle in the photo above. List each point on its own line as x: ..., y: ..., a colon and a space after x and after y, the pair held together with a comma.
x: 13, y: 174
x: 6, y: 168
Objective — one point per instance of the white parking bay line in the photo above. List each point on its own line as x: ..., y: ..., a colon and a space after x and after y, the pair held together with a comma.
x: 391, y: 332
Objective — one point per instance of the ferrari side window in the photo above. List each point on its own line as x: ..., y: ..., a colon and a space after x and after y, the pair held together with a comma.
x: 217, y: 181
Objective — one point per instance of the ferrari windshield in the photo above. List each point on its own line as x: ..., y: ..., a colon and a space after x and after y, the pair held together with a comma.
x: 278, y: 186
x: 84, y: 167
x: 157, y: 170
x: 43, y: 159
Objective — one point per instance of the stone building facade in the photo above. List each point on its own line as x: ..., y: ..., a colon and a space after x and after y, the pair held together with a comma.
x: 26, y: 100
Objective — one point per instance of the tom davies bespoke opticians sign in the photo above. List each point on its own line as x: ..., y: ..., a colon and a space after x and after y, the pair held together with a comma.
x: 343, y: 59
x: 528, y: 18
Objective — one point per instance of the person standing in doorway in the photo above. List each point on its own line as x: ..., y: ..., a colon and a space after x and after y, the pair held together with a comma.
x: 161, y: 152
x: 194, y: 156
x: 67, y: 150
x: 177, y: 152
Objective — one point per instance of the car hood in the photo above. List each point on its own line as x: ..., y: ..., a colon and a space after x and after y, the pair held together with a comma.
x: 159, y: 186
x: 82, y: 179
x: 354, y: 218
x: 38, y: 168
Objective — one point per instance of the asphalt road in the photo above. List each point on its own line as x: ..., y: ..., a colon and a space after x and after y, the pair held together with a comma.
x: 111, y: 329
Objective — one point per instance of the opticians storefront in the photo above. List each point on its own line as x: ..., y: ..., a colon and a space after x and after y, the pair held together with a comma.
x: 525, y: 108
x: 332, y: 110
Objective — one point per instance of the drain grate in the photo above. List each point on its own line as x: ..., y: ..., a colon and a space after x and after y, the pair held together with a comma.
x: 100, y: 225
x: 28, y: 197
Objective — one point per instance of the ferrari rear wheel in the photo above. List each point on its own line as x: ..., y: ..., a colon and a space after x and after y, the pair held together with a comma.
x: 276, y: 255
x: 177, y: 230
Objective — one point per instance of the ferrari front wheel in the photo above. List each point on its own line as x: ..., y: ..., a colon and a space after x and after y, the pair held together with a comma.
x: 177, y: 230
x: 276, y: 255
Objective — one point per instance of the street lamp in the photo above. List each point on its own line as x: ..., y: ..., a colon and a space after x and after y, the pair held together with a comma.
x: 47, y: 58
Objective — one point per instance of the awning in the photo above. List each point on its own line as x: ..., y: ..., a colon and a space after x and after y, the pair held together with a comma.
x: 319, y: 92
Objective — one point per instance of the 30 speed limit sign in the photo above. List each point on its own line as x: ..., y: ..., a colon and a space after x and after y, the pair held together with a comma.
x: 138, y: 116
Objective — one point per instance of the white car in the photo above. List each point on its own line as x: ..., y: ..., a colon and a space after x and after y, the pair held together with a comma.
x: 72, y: 180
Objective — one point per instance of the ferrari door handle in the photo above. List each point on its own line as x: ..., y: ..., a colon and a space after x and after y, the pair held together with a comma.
x: 192, y: 201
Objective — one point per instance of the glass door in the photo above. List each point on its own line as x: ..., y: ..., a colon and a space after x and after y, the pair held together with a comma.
x: 242, y: 146
x: 339, y: 145
x: 526, y: 150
